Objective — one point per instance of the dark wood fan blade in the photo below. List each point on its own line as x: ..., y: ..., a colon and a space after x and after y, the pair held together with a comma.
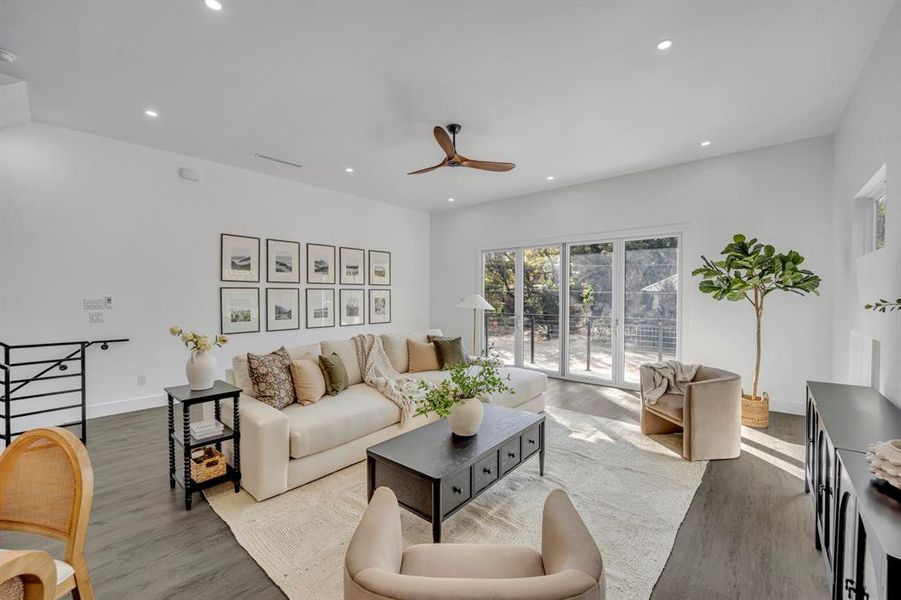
x: 444, y: 141
x: 427, y: 169
x: 487, y: 165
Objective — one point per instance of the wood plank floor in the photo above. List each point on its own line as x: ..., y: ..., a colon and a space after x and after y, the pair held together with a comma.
x: 747, y: 534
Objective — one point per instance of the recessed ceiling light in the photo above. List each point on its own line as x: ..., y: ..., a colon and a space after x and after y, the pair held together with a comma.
x: 151, y: 113
x: 450, y: 199
x: 348, y: 169
x: 705, y: 143
x: 213, y: 4
x: 550, y: 177
x: 664, y: 44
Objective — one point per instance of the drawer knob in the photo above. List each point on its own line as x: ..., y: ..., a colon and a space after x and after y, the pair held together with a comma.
x: 532, y: 442
x: 457, y: 490
x: 511, y: 454
x: 486, y: 470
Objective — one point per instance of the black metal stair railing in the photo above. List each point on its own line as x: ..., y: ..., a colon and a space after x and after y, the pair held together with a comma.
x: 55, y: 371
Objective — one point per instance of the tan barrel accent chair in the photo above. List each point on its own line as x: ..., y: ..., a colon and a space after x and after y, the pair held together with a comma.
x: 46, y: 488
x: 378, y: 568
x: 708, y: 414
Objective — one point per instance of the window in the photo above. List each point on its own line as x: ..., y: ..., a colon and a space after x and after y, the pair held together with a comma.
x: 879, y: 222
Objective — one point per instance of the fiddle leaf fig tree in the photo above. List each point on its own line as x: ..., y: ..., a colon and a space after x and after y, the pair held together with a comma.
x: 750, y: 270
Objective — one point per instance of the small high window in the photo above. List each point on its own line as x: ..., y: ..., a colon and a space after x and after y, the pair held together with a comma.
x: 879, y: 221
x: 872, y: 201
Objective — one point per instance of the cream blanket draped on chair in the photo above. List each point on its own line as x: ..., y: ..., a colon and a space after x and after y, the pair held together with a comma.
x: 668, y: 376
x: 378, y: 373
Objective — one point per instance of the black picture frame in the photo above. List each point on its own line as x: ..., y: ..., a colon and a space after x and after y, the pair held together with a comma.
x: 311, y: 268
x: 222, y: 269
x: 308, y: 305
x: 269, y: 272
x: 342, y: 280
x: 371, y: 263
x: 296, y: 304
x: 372, y: 305
x: 222, y: 328
x: 354, y: 291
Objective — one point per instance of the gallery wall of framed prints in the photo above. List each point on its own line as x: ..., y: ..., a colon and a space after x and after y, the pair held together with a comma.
x: 240, y: 309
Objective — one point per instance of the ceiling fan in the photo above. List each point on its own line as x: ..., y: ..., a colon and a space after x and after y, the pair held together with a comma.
x: 454, y: 158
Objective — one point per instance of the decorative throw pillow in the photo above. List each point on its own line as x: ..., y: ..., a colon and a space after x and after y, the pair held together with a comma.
x: 422, y: 356
x: 449, y: 349
x: 271, y: 377
x: 309, y: 383
x: 335, y: 373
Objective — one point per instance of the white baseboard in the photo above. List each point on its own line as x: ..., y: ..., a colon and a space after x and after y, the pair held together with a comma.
x: 125, y: 406
x: 784, y: 406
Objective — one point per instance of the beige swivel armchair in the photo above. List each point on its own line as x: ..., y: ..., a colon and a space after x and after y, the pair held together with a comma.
x: 378, y: 568
x: 708, y: 414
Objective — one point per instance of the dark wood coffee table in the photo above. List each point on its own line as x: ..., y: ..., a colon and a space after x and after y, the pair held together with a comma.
x: 434, y: 473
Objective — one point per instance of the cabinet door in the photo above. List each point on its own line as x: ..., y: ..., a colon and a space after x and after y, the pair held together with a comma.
x: 810, y: 443
x: 845, y: 563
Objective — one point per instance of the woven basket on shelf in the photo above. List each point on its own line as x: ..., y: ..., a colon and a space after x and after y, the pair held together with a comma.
x: 755, y: 412
x: 206, y: 463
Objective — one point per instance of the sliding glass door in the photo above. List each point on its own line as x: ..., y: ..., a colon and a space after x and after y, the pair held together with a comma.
x: 589, y: 310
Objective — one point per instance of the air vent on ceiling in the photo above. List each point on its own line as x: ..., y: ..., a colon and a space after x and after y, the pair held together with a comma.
x: 279, y: 160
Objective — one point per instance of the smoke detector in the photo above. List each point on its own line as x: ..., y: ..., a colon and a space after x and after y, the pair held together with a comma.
x: 7, y: 56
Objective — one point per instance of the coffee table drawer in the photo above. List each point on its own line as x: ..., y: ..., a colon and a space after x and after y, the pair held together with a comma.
x: 455, y: 490
x: 510, y: 454
x: 484, y: 472
x: 531, y: 442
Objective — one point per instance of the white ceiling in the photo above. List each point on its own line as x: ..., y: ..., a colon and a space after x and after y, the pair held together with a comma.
x: 571, y: 89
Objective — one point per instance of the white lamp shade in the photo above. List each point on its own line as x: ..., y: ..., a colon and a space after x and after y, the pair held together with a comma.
x: 475, y: 301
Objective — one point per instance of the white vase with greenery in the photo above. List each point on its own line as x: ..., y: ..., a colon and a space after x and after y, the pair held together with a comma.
x: 201, y: 366
x: 459, y: 396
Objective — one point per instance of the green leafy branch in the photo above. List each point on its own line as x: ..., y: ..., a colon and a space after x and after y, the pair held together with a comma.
x: 478, y: 378
x: 882, y: 305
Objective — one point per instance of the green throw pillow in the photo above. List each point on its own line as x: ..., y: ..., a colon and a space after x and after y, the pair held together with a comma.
x: 450, y: 350
x: 335, y: 373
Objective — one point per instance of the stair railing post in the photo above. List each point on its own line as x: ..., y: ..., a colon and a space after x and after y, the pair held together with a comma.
x: 532, y: 338
x: 7, y: 406
x: 84, y: 398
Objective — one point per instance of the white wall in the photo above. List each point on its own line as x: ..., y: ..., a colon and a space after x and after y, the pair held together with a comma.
x: 868, y: 136
x: 83, y: 216
x: 781, y: 193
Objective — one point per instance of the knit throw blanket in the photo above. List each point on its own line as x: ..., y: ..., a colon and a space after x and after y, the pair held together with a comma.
x: 378, y: 373
x: 668, y: 376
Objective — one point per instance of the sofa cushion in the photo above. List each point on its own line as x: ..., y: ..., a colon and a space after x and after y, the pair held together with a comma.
x: 309, y: 383
x: 670, y: 405
x: 449, y: 349
x: 423, y: 356
x: 348, y: 353
x: 471, y: 561
x: 271, y: 377
x: 395, y: 346
x: 526, y: 385
x: 357, y: 411
x: 436, y: 376
x: 334, y: 372
x: 241, y: 374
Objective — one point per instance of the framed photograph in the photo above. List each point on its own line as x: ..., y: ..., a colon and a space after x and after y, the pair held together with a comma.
x: 379, y: 267
x: 282, y: 261
x: 240, y: 258
x: 351, y: 264
x: 379, y: 306
x: 282, y: 309
x: 351, y: 303
x: 320, y: 263
x: 239, y: 310
x: 320, y: 308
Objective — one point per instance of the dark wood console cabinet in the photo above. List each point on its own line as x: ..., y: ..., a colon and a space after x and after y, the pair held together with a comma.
x: 858, y: 528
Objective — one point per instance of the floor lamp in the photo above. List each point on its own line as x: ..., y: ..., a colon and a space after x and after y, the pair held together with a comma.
x: 476, y: 303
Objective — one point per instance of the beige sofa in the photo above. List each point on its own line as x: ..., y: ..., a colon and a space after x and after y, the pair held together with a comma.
x: 377, y: 567
x: 284, y: 449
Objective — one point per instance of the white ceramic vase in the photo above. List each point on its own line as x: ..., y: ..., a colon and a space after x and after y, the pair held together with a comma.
x: 201, y: 370
x: 466, y: 417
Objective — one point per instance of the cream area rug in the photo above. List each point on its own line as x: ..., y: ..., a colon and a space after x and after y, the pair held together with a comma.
x: 632, y: 492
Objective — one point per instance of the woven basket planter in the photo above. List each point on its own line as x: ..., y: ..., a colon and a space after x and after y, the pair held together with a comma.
x: 755, y: 412
x: 207, y: 463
